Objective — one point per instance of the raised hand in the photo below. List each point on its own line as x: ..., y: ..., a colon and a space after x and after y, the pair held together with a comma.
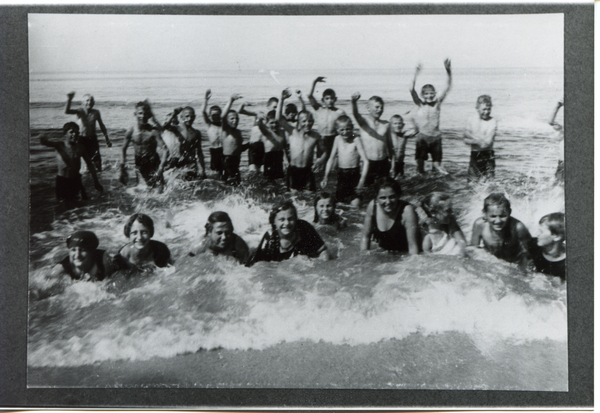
x: 299, y: 92
x: 561, y: 102
x: 324, y: 183
x: 447, y: 65
x: 355, y: 96
x: 70, y: 95
x: 419, y: 68
x: 286, y: 93
x: 208, y: 94
x: 236, y: 96
x: 320, y: 79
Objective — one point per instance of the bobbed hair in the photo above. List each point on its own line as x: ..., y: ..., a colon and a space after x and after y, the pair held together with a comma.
x: 281, y: 206
x: 143, y: 219
x: 387, y: 182
x: 496, y: 198
x: 555, y: 223
x: 217, y: 216
x: 318, y: 197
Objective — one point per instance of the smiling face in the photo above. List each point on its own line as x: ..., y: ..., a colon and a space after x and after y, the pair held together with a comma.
x: 428, y: 94
x: 375, y: 109
x: 221, y: 235
x: 396, y: 124
x: 484, y: 110
x: 187, y: 117
x: 325, y: 209
x: 141, y: 114
x: 329, y: 101
x: 139, y: 235
x: 497, y: 216
x: 285, y: 223
x: 72, y: 136
x: 88, y: 101
x: 305, y: 121
x: 232, y: 119
x: 344, y: 129
x: 81, y: 258
x: 387, y: 199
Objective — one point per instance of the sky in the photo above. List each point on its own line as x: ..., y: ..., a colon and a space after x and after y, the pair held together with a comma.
x: 147, y: 43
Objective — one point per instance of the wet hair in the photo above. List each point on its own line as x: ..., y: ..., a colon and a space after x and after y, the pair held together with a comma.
x: 271, y: 115
x: 387, y: 182
x: 70, y: 126
x: 343, y: 119
x: 143, y: 219
x: 497, y: 198
x: 215, y: 108
x: 427, y: 87
x: 84, y: 239
x: 329, y: 92
x: 555, y: 223
x: 92, y: 100
x: 290, y: 108
x: 272, y: 100
x: 484, y: 99
x: 309, y: 116
x: 217, y: 216
x: 434, y: 202
x: 281, y: 206
x: 324, y: 195
x: 377, y: 99
x: 397, y: 117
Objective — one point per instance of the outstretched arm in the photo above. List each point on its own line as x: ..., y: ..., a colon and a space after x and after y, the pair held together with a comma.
x: 302, y: 104
x: 409, y: 220
x: 555, y: 112
x: 448, y: 67
x: 365, y: 243
x: 46, y: 142
x: 413, y: 92
x: 365, y: 164
x: 244, y: 111
x: 205, y: 116
x: 232, y: 99
x: 68, y: 109
x: 279, y: 117
x: 364, y: 125
x: 103, y: 129
x: 311, y: 98
x: 163, y: 151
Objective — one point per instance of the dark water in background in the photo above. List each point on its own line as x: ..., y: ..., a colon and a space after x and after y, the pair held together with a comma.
x: 360, y: 321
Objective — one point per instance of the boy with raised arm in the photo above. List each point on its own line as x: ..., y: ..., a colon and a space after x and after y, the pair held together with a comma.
x: 88, y: 117
x: 480, y: 133
x: 190, y: 146
x: 302, y: 141
x: 256, y: 147
x: 232, y: 141
x: 274, y: 141
x: 326, y: 114
x: 375, y: 138
x: 149, y: 149
x: 68, y: 159
x: 213, y: 119
x: 350, y: 152
x: 427, y: 121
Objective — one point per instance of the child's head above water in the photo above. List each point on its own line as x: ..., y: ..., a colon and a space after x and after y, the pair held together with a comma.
x: 496, y: 209
x: 553, y: 225
x: 272, y: 103
x: 271, y: 120
x: 219, y: 229
x: 232, y: 118
x: 329, y: 98
x: 215, y: 114
x: 484, y: 106
x: 428, y: 93
x: 142, y: 111
x: 375, y: 106
x: 324, y: 205
x: 396, y: 123
x: 88, y: 101
x: 143, y: 219
x: 344, y: 126
x: 291, y: 112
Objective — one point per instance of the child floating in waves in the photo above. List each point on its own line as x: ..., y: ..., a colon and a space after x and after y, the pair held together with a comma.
x: 150, y: 150
x: 548, y: 250
x: 325, y: 214
x: 213, y: 119
x: 390, y: 221
x: 502, y: 235
x: 221, y: 240
x: 350, y: 152
x: 326, y: 114
x: 480, y: 133
x: 444, y: 235
x: 142, y: 254
x: 68, y: 158
x: 560, y: 169
x: 427, y: 121
x: 85, y: 261
x: 289, y: 237
x: 88, y: 116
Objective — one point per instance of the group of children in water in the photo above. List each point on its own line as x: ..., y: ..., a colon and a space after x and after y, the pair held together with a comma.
x: 284, y: 144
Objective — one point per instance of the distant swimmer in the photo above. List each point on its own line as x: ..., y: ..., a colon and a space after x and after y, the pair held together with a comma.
x: 427, y: 120
x: 89, y: 117
x: 68, y: 159
x: 480, y: 133
x: 502, y: 235
x: 142, y: 254
x: 220, y: 239
x: 444, y: 236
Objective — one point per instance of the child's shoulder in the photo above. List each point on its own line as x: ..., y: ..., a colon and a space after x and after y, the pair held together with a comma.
x: 479, y: 221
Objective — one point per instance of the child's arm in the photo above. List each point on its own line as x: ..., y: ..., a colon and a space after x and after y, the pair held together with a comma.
x: 205, y: 116
x: 128, y: 136
x: 427, y: 243
x: 163, y: 152
x: 409, y: 220
x: 448, y: 67
x: 244, y: 111
x: 555, y: 112
x: 46, y: 142
x: 68, y: 109
x: 329, y: 167
x: 232, y: 99
x: 168, y: 124
x: 413, y: 92
x: 389, y: 145
x: 311, y: 98
x: 524, y: 240
x: 365, y: 164
x: 302, y: 104
x: 88, y: 161
x: 361, y: 120
x: 266, y: 132
x: 477, y: 231
x: 103, y: 129
x: 365, y: 243
x: 199, y: 155
x: 279, y: 117
x: 323, y: 158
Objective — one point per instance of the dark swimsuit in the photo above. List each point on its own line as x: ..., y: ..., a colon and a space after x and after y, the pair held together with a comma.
x: 511, y: 249
x: 395, y: 238
x: 555, y: 268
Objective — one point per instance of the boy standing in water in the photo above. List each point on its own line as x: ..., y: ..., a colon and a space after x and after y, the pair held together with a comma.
x: 325, y: 114
x: 398, y: 136
x: 274, y: 141
x: 147, y: 143
x: 231, y: 139
x: 256, y: 146
x: 68, y: 159
x: 427, y: 121
x: 88, y: 117
x: 302, y: 141
x: 374, y: 137
x: 190, y: 148
x: 480, y: 133
x: 213, y: 120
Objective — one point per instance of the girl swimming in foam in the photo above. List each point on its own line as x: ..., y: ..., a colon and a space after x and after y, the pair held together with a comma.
x: 85, y: 261
x: 325, y: 214
x: 444, y: 236
x: 221, y: 240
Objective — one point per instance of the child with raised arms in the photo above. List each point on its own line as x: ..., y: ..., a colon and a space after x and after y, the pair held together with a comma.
x: 326, y: 114
x: 350, y: 153
x: 427, y: 121
x: 502, y: 235
x: 480, y: 133
x: 256, y: 146
x: 89, y: 117
x: 548, y: 250
x: 302, y: 141
x: 232, y: 141
x: 274, y: 144
x: 212, y: 118
x: 68, y: 159
x: 374, y: 137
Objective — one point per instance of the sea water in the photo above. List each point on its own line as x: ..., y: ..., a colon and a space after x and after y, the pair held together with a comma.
x: 373, y: 320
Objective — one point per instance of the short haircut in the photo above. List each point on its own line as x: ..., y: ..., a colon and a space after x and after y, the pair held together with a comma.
x: 496, y: 198
x: 555, y: 223
x: 271, y: 115
x: 329, y: 92
x: 143, y: 219
x: 427, y: 87
x: 434, y: 202
x: 217, y: 216
x: 70, y: 126
x: 281, y: 206
x: 318, y: 197
x: 190, y: 109
x: 215, y: 108
x: 232, y: 111
x: 92, y: 100
x: 83, y: 239
x: 487, y: 99
x: 309, y: 115
x: 144, y: 106
x: 272, y: 100
x: 343, y: 119
x: 387, y: 182
x: 397, y: 117
x: 377, y: 99
x: 290, y: 108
